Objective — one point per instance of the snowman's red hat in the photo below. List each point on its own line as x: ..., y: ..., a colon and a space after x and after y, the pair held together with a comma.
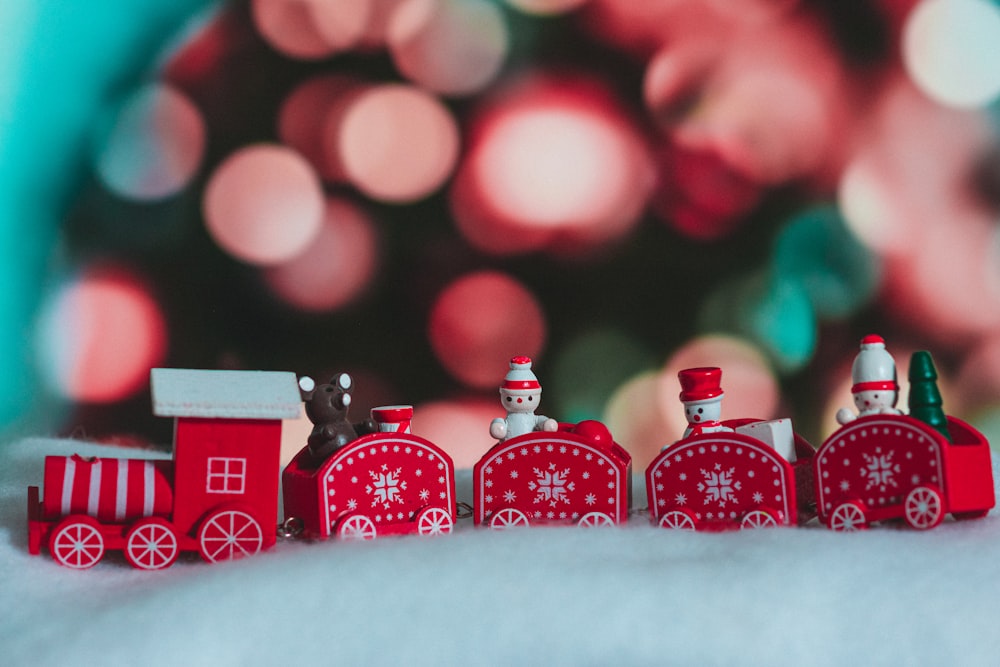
x: 520, y: 377
x: 700, y: 384
x: 874, y: 368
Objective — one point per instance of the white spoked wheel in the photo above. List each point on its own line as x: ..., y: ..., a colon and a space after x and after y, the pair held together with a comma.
x: 758, y: 519
x: 848, y: 517
x: 435, y: 521
x: 923, y: 508
x: 356, y: 527
x: 151, y: 544
x: 77, y: 543
x: 592, y: 519
x: 677, y: 520
x: 229, y: 534
x: 508, y: 518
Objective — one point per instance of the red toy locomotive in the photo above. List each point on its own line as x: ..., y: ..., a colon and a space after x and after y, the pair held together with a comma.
x: 217, y: 496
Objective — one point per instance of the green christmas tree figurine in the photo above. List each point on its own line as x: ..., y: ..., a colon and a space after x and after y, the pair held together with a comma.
x: 925, y: 399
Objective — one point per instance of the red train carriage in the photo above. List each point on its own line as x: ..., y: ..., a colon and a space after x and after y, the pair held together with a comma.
x: 728, y: 479
x: 577, y: 475
x: 888, y: 467
x: 217, y: 497
x: 380, y: 484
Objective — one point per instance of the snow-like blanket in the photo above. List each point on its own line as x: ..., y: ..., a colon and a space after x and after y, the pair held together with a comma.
x: 540, y: 596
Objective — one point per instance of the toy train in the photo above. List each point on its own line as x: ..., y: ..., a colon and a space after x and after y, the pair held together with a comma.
x: 218, y: 496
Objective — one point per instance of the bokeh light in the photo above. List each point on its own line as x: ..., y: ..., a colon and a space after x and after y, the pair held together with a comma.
x: 638, y: 421
x: 589, y: 368
x: 459, y: 427
x: 869, y: 208
x: 99, y: 336
x: 480, y: 321
x: 310, y: 29
x: 451, y: 47
x: 264, y: 204
x: 545, y: 7
x: 309, y: 120
x: 341, y: 23
x: 816, y: 251
x: 950, y: 50
x: 398, y: 143
x: 154, y: 145
x: 773, y: 311
x: 550, y: 157
x: 336, y: 267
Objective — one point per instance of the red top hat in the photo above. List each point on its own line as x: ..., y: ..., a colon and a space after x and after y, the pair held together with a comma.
x: 700, y: 384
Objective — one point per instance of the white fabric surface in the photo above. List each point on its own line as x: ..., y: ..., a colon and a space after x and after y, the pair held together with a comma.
x: 560, y: 596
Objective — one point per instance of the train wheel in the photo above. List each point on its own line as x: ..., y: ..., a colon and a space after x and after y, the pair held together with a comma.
x: 508, y: 518
x: 435, y: 521
x: 848, y: 517
x: 77, y: 542
x: 151, y: 544
x: 758, y: 519
x: 923, y: 508
x: 677, y: 520
x: 592, y: 519
x: 356, y: 527
x: 229, y: 534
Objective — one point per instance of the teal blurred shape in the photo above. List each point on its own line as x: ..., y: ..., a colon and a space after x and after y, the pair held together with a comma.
x: 769, y: 310
x: 63, y: 60
x: 817, y: 251
x: 587, y: 371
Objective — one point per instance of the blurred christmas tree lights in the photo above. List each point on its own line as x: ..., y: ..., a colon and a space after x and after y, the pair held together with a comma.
x: 417, y: 190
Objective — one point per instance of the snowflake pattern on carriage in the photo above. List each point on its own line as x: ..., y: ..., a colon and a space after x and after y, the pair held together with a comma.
x: 556, y: 478
x: 380, y: 484
x: 721, y: 480
x: 888, y: 467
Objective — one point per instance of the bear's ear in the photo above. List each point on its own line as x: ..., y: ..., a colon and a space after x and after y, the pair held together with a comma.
x: 343, y: 381
x: 307, y: 386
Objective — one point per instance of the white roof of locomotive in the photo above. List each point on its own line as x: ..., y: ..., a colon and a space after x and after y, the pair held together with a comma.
x: 181, y: 392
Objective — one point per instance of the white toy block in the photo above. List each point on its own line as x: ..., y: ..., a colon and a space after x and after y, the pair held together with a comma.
x: 777, y: 433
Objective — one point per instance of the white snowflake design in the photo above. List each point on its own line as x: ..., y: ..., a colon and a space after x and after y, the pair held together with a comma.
x: 386, y: 487
x: 551, y: 485
x: 880, y: 470
x: 718, y: 485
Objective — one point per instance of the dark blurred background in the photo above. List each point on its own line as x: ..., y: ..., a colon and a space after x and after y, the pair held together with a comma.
x: 416, y: 190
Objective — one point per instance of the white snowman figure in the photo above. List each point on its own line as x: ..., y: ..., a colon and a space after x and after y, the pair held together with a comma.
x: 701, y: 394
x: 520, y: 394
x: 874, y: 375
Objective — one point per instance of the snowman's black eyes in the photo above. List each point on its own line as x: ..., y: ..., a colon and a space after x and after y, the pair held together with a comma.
x: 509, y: 399
x: 700, y: 410
x: 530, y: 399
